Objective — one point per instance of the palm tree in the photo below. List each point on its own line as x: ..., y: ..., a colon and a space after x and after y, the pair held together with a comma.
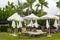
x: 30, y: 2
x: 10, y: 8
x: 43, y: 3
x: 41, y: 12
x: 7, y: 11
x: 37, y: 5
x: 20, y: 7
x: 58, y: 4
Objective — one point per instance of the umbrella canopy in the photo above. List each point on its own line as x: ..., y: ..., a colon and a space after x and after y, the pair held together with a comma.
x: 13, y: 24
x: 36, y: 24
x: 30, y: 24
x: 55, y: 23
x: 49, y: 16
x: 58, y: 14
x: 15, y: 17
x: 17, y: 25
x: 47, y: 24
x: 32, y: 16
x: 20, y: 24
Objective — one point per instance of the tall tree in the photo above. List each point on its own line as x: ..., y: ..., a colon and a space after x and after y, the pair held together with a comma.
x: 37, y: 5
x: 9, y: 9
x: 21, y: 6
x: 2, y: 15
x: 43, y: 3
x: 30, y: 2
x: 58, y: 4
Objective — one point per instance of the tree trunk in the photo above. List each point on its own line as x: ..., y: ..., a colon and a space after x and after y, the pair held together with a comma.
x: 41, y: 9
x: 37, y: 10
x: 42, y: 13
x: 21, y: 11
x: 28, y: 10
x: 31, y: 7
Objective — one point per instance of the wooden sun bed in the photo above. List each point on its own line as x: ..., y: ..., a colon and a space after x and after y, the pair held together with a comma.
x: 37, y: 33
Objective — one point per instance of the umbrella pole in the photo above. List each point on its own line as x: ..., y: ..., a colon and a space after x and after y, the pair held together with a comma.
x: 31, y: 24
x: 28, y: 10
x: 49, y: 34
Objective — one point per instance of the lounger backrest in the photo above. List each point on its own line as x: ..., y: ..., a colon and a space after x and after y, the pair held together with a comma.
x: 39, y: 31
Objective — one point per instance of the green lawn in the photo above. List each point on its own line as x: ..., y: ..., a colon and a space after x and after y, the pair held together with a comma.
x: 6, y: 36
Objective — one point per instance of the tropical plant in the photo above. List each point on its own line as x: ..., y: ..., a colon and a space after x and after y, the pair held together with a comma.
x: 21, y: 6
x: 10, y: 8
x: 58, y: 4
x: 7, y: 11
x: 2, y: 14
x: 30, y: 2
x: 43, y: 3
x: 37, y: 5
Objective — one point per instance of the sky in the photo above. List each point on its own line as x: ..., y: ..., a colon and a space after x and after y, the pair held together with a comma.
x: 51, y: 4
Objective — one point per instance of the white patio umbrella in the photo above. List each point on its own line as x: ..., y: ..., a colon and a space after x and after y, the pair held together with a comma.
x: 31, y: 17
x: 15, y: 17
x: 13, y: 24
x: 49, y: 16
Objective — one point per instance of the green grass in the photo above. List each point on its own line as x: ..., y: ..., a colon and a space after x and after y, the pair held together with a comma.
x: 6, y: 36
